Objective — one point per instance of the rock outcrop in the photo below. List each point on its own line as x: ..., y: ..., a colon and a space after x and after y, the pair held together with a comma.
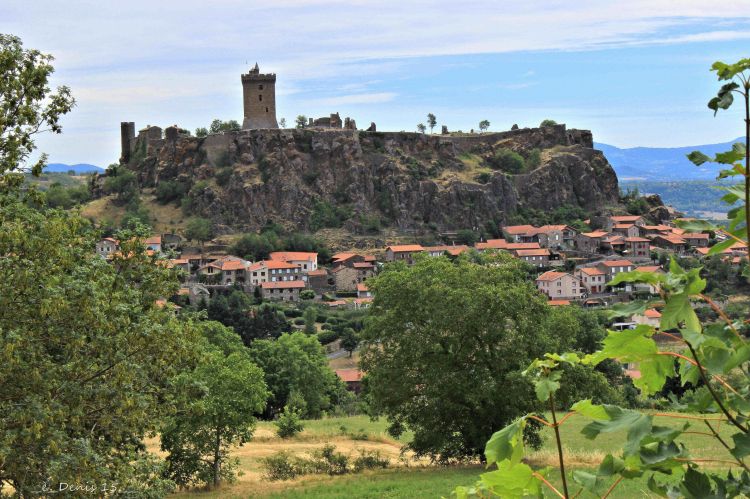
x: 410, y: 181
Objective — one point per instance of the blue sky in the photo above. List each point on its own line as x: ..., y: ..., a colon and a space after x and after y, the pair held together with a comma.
x: 635, y: 73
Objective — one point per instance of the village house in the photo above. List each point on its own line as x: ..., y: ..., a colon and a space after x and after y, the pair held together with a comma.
x: 671, y: 242
x: 590, y: 242
x: 613, y: 220
x: 696, y: 240
x: 492, y: 244
x: 593, y: 279
x: 281, y: 290
x: 519, y: 233
x: 556, y: 236
x: 225, y: 271
x: 344, y: 278
x: 318, y: 281
x: 402, y: 253
x: 352, y: 378
x: 363, y: 291
x: 107, y: 246
x: 638, y: 247
x: 306, y: 261
x: 654, y: 230
x: 182, y: 264
x: 537, y: 257
x: 650, y: 317
x: 441, y: 250
x: 642, y: 286
x: 560, y: 285
x: 273, y: 271
x: 613, y: 267
x: 627, y: 230
x: 613, y: 244
x: 153, y: 243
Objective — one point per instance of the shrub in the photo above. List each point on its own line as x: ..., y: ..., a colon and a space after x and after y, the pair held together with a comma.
x: 169, y: 190
x: 307, y: 294
x: 330, y: 461
x: 548, y: 122
x: 299, y: 321
x: 289, y: 423
x: 327, y: 336
x: 507, y: 161
x: 534, y: 158
x: 281, y: 466
x: 483, y: 178
x: 325, y: 214
x: 369, y: 460
x: 223, y: 175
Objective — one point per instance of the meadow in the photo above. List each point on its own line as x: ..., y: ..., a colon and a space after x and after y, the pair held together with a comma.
x: 408, y: 477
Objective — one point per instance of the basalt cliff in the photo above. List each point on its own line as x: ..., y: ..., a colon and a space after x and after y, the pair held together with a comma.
x: 409, y: 181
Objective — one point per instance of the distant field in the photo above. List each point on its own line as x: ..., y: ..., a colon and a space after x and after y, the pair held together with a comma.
x: 416, y: 479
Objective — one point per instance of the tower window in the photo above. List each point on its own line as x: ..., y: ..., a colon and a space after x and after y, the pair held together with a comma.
x: 260, y: 87
x: 266, y: 109
x: 260, y: 97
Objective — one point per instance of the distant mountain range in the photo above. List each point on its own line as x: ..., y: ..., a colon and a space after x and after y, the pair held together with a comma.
x: 79, y: 168
x: 662, y: 163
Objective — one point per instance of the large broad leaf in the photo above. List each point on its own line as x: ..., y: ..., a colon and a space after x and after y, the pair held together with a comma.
x: 720, y: 247
x: 736, y: 154
x: 698, y: 158
x: 593, y: 411
x: 741, y: 445
x: 547, y: 385
x: 506, y: 444
x: 695, y: 225
x: 512, y: 481
x: 696, y: 485
x: 724, y: 97
x: 628, y: 309
x: 637, y: 276
x: 679, y: 311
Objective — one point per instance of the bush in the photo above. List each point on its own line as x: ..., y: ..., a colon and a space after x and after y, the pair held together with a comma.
x: 124, y: 184
x: 168, y: 191
x: 369, y: 460
x: 483, y: 178
x: 330, y: 461
x: 307, y: 294
x: 534, y: 158
x: 299, y: 321
x: 507, y: 161
x: 327, y: 336
x: 223, y: 175
x: 325, y: 214
x: 281, y: 466
x: 548, y: 122
x: 289, y: 423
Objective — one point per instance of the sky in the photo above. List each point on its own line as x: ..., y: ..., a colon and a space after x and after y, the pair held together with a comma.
x: 634, y: 72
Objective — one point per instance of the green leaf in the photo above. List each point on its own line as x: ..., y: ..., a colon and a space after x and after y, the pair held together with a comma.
x: 677, y: 311
x: 736, y: 154
x: 741, y: 445
x: 586, y: 408
x: 657, y: 452
x: 547, y: 385
x: 698, y: 158
x: 506, y: 444
x: 720, y: 247
x: 696, y: 485
x: 695, y: 225
x: 724, y: 97
x: 511, y: 480
x: 629, y: 309
x: 637, y: 276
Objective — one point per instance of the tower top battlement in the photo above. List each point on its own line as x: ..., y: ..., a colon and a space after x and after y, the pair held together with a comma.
x: 255, y: 75
x: 259, y: 99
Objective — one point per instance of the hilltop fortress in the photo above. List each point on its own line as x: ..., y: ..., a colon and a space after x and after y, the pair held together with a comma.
x: 330, y: 174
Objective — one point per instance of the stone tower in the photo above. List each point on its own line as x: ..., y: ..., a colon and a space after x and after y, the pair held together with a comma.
x: 259, y: 99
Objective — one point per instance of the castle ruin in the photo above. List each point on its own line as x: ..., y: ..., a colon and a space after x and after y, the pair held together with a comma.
x: 259, y: 99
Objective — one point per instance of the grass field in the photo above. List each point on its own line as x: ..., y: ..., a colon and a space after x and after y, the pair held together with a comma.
x: 410, y: 478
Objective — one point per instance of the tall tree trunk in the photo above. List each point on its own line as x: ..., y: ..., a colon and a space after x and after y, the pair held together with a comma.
x: 217, y: 457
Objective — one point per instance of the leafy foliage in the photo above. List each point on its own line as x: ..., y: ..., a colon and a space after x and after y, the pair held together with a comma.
x: 199, y: 229
x: 508, y: 161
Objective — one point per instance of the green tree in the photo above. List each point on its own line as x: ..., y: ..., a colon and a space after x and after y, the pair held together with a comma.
x: 295, y: 363
x: 123, y: 183
x: 254, y: 246
x: 201, y: 132
x: 467, y: 236
x: 81, y: 340
x: 548, y: 122
x: 307, y: 294
x: 199, y: 229
x: 349, y: 340
x: 301, y: 121
x: 431, y: 121
x: 219, y: 126
x: 438, y: 326
x: 421, y: 128
x: 289, y: 422
x: 282, y: 123
x: 310, y: 315
x: 508, y: 161
x: 27, y: 107
x: 484, y: 125
x: 217, y: 402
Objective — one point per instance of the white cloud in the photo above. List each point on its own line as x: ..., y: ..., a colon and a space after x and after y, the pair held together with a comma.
x: 343, y: 100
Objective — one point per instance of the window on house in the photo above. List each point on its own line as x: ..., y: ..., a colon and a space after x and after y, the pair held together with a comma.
x: 260, y: 98
x: 260, y: 87
x: 266, y: 109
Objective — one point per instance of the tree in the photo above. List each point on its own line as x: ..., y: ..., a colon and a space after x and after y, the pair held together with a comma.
x: 199, y: 229
x: 218, y: 126
x: 301, y: 121
x: 82, y: 341
x: 421, y: 128
x: 484, y: 125
x: 307, y: 294
x: 217, y: 404
x: 254, y: 246
x: 201, y: 132
x: 548, y: 122
x: 289, y: 422
x: 28, y: 106
x: 431, y: 121
x: 438, y: 326
x: 508, y: 161
x: 349, y: 340
x: 282, y: 123
x: 310, y: 315
x: 295, y: 363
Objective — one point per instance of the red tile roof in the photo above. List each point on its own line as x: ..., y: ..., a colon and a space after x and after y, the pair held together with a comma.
x: 272, y: 264
x: 625, y: 218
x: 349, y: 375
x: 363, y: 265
x: 532, y: 252
x: 596, y: 234
x: 318, y: 272
x: 591, y: 271
x: 516, y: 230
x: 616, y: 263
x: 362, y: 287
x: 649, y: 268
x: 695, y: 235
x: 551, y: 275
x: 283, y: 285
x: 652, y: 313
x: 637, y: 240
x: 558, y: 303
x: 493, y: 244
x: 405, y: 248
x: 285, y: 256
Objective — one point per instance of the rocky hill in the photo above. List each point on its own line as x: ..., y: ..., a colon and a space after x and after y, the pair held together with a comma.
x: 410, y: 181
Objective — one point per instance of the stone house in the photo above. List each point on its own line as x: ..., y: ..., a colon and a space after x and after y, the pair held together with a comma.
x: 107, y: 246
x: 593, y: 279
x: 365, y: 270
x: 345, y: 278
x: 153, y: 243
x: 612, y: 244
x: 519, y: 233
x: 318, y: 281
x: 273, y: 271
x: 671, y: 242
x: 450, y: 250
x: 226, y: 271
x: 590, y: 242
x: 650, y: 317
x: 613, y: 220
x: 536, y: 257
x: 352, y: 378
x: 492, y: 244
x: 638, y: 247
x: 560, y: 285
x: 696, y: 240
x: 613, y: 267
x: 627, y: 230
x: 556, y: 236
x: 306, y: 261
x: 281, y: 290
x: 402, y: 253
